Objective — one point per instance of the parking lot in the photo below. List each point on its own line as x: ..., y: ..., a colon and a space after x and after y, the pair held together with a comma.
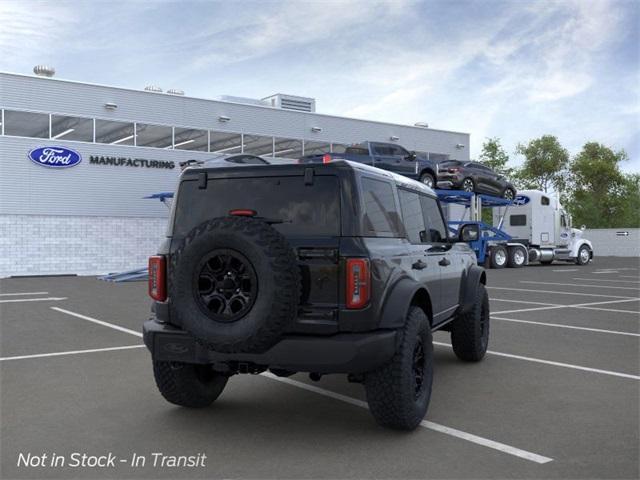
x: 556, y: 397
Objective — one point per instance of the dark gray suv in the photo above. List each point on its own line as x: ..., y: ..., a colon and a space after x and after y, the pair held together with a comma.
x: 329, y: 268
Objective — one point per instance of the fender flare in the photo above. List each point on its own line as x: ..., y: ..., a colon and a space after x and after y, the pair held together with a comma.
x: 475, y: 276
x: 400, y: 298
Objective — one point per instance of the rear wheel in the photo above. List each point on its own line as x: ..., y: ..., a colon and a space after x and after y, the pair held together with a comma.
x: 428, y: 180
x: 509, y: 194
x: 517, y: 257
x: 584, y: 255
x: 188, y: 385
x: 470, y: 331
x: 498, y: 256
x: 468, y: 185
x: 398, y: 393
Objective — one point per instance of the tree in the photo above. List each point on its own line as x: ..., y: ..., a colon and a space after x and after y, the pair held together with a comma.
x: 600, y: 195
x: 545, y: 163
x: 494, y: 156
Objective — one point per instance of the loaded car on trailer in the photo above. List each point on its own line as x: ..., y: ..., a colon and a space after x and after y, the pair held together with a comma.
x: 336, y: 268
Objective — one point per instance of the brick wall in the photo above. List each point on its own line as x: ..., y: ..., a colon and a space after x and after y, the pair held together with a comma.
x: 49, y: 245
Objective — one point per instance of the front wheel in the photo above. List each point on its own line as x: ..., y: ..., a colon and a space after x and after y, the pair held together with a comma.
x: 584, y: 255
x: 398, y: 393
x: 470, y: 331
x: 428, y: 180
x: 187, y: 384
x: 468, y: 185
x: 509, y: 194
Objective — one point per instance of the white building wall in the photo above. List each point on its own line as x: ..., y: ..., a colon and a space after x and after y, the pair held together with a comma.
x: 611, y: 242
x: 83, y: 245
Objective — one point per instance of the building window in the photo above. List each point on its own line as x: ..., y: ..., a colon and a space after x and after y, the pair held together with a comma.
x: 157, y: 136
x: 114, y: 133
x: 316, y: 148
x: 26, y: 124
x: 190, y: 139
x: 258, y: 145
x: 338, y: 148
x: 225, y: 142
x: 71, y: 128
x: 287, y: 148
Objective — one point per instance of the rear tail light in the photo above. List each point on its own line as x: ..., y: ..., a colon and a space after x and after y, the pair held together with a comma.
x: 358, y: 282
x: 454, y: 170
x: 158, y: 278
x: 326, y: 158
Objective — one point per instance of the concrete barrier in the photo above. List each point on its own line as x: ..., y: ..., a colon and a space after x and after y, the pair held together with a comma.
x: 614, y: 242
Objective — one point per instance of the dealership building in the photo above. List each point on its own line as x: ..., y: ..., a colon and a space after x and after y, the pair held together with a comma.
x: 77, y: 160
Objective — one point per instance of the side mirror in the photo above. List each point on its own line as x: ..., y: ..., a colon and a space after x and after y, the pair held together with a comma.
x: 411, y: 157
x: 469, y: 233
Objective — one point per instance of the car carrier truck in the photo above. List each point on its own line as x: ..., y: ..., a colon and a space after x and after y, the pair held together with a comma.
x: 540, y: 223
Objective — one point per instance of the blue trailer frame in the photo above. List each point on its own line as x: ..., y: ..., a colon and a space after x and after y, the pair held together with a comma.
x: 489, y: 235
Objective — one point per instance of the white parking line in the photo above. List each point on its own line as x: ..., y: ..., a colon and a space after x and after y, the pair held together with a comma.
x: 556, y: 364
x: 485, y: 442
x: 71, y: 352
x: 567, y: 270
x: 628, y: 276
x: 20, y: 300
x: 581, y: 285
x: 559, y: 325
x: 604, y: 280
x: 525, y: 301
x: 559, y: 293
x: 99, y: 322
x: 23, y: 293
x: 586, y: 306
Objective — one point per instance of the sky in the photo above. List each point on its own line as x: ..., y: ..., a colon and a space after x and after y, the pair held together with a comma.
x: 509, y: 69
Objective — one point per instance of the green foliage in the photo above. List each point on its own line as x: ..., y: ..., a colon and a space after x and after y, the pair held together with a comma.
x: 495, y: 157
x: 545, y: 164
x: 600, y: 195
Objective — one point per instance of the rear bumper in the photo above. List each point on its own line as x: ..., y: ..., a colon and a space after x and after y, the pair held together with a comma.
x: 341, y: 353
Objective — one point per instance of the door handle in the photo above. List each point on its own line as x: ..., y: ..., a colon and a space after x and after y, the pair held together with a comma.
x: 444, y: 262
x: 419, y: 265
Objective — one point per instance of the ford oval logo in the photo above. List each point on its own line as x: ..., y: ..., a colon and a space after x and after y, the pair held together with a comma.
x: 521, y: 200
x: 55, y: 157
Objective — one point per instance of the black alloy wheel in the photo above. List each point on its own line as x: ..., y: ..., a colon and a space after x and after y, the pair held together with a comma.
x: 467, y: 185
x: 508, y: 194
x: 226, y: 285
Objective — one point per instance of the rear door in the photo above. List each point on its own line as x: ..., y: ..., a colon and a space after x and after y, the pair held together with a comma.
x: 439, y: 251
x: 423, y: 263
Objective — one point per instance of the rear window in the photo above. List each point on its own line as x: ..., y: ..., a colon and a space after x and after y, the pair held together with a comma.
x: 304, y: 209
x: 380, y: 212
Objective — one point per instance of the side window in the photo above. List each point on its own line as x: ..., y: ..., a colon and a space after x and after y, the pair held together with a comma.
x: 518, y: 220
x: 382, y: 150
x: 398, y: 151
x: 380, y: 207
x: 563, y: 220
x: 412, y: 215
x: 544, y: 201
x: 436, y: 229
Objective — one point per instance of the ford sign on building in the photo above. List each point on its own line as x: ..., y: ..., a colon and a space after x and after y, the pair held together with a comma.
x: 77, y: 161
x: 55, y: 157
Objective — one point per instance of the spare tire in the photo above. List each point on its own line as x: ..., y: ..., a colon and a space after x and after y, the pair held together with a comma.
x: 234, y: 284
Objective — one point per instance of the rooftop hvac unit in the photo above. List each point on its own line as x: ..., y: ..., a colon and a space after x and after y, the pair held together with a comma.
x: 291, y: 102
x: 44, y: 71
x: 153, y: 88
x: 175, y: 91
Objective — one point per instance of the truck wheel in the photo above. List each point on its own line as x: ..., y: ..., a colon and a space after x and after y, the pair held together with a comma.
x: 470, y: 331
x: 584, y: 255
x: 187, y: 384
x: 509, y: 194
x: 235, y: 285
x: 498, y: 256
x: 398, y: 393
x: 428, y: 180
x: 517, y: 257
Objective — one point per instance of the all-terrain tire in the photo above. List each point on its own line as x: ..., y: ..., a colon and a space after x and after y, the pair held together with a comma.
x: 470, y: 331
x: 396, y: 398
x: 188, y: 385
x: 274, y: 299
